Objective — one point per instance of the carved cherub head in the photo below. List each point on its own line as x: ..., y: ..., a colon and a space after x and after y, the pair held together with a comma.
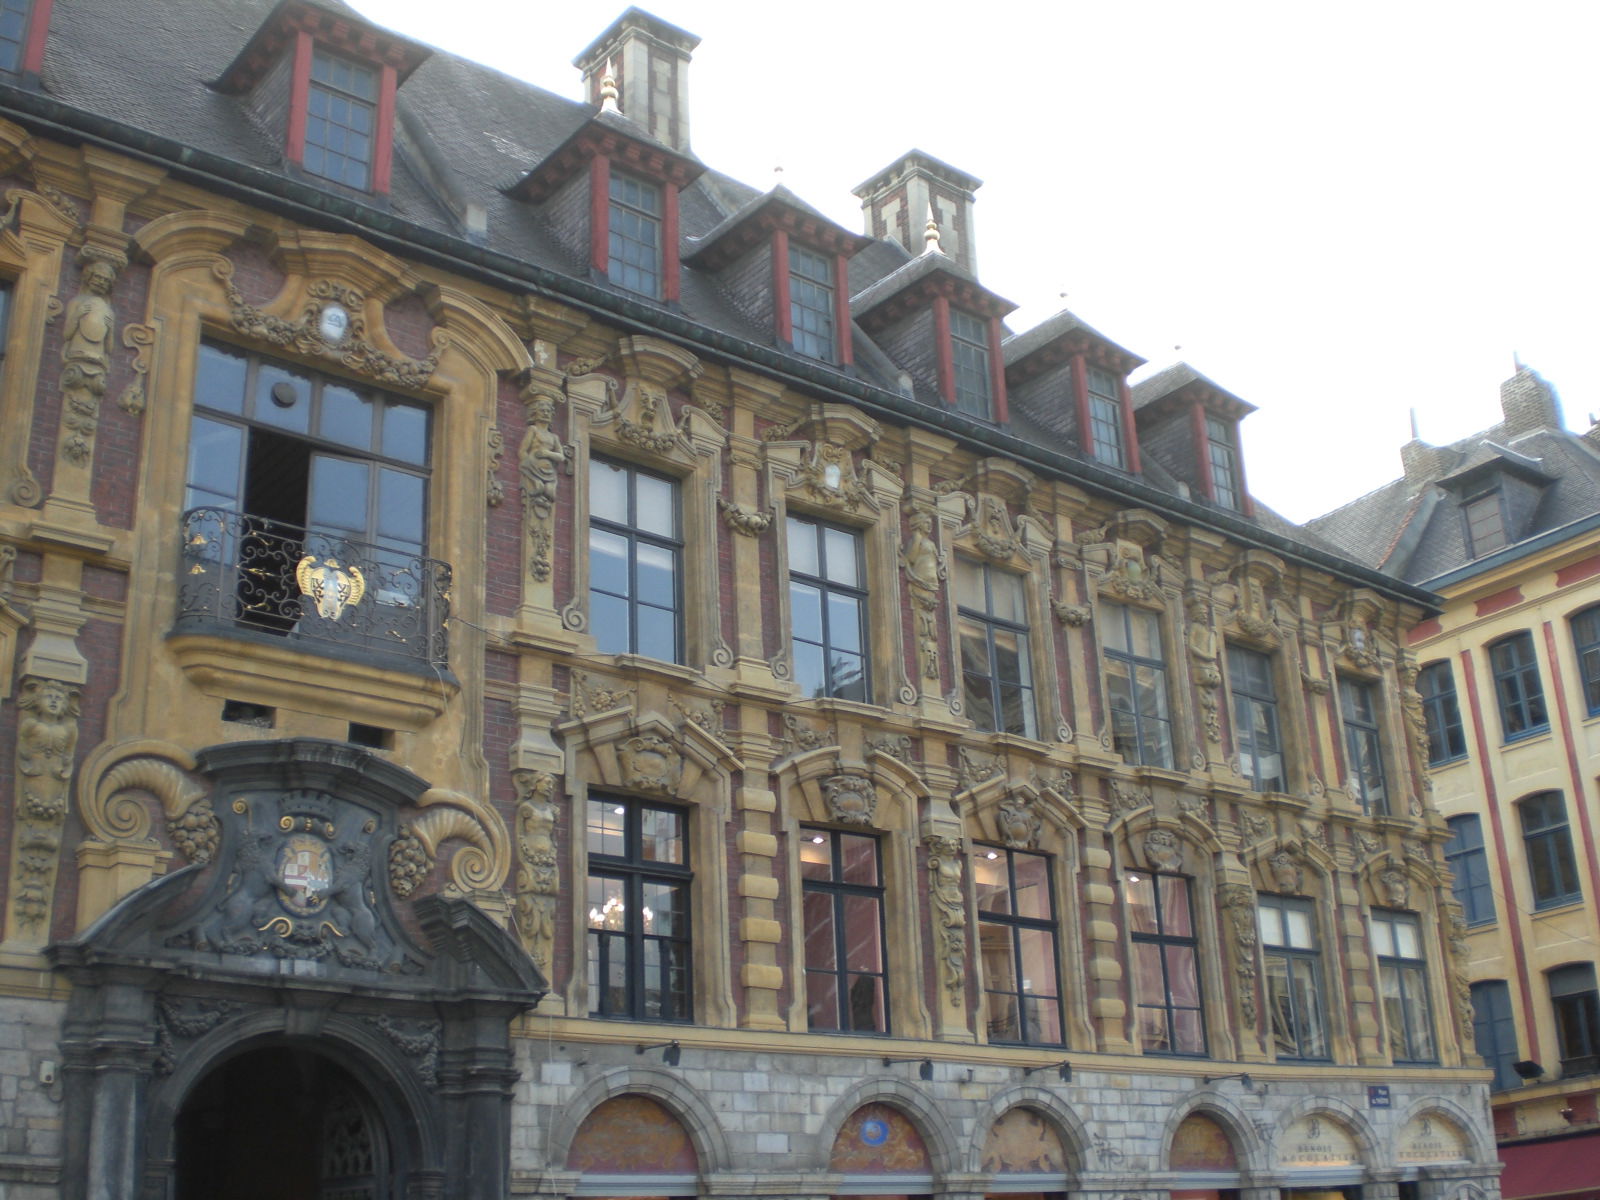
x: 49, y: 699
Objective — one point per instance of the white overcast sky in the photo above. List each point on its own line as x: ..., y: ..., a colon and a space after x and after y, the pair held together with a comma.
x: 1339, y: 212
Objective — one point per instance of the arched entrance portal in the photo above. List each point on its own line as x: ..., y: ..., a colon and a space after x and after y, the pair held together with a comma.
x: 281, y: 1123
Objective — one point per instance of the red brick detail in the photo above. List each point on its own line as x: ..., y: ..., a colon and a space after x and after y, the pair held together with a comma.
x: 941, y: 337
x: 294, y: 145
x: 1505, y: 1122
x: 1500, y: 601
x: 1572, y: 573
x: 383, y: 139
x: 1584, y: 1110
x: 600, y: 213
x: 782, y: 315
x: 1423, y: 630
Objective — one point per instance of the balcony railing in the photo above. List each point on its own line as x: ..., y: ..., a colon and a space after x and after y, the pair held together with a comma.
x: 309, y: 586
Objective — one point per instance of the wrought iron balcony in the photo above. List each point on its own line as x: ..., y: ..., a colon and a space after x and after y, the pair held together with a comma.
x: 353, y: 598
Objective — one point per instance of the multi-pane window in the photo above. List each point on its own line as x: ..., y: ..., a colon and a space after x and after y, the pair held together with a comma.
x: 846, y: 981
x: 1494, y: 1033
x: 1136, y: 684
x: 1577, y: 1013
x: 969, y: 351
x: 1223, y: 458
x: 1552, y: 870
x: 1486, y: 524
x: 811, y: 303
x: 1105, y: 418
x: 1017, y: 943
x: 1441, y: 715
x: 1517, y: 689
x: 1293, y: 978
x: 634, y: 235
x: 341, y: 114
x: 827, y: 610
x: 1255, y: 719
x: 1586, y: 640
x: 1166, y: 966
x: 996, y: 674
x: 13, y: 32
x: 638, y: 910
x: 1403, y: 986
x: 635, y: 554
x: 1464, y: 854
x: 1359, y: 712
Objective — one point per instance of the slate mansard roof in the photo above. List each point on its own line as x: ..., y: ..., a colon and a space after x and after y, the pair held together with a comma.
x: 142, y: 76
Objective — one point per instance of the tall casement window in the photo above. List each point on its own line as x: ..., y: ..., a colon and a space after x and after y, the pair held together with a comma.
x: 1517, y: 688
x: 1494, y: 1033
x: 811, y: 303
x: 635, y: 235
x: 1136, y: 684
x: 1552, y: 870
x: 638, y: 908
x: 635, y: 556
x: 1464, y: 854
x: 1440, y: 714
x: 1358, y: 710
x: 1586, y: 641
x: 1486, y: 524
x: 1105, y: 419
x: 846, y: 981
x: 1017, y: 942
x: 969, y: 350
x: 297, y: 479
x: 1403, y: 986
x: 1293, y: 979
x: 1223, y: 458
x: 13, y: 32
x: 1255, y: 719
x: 1166, y: 967
x: 996, y: 673
x: 827, y: 610
x: 341, y: 114
x: 1577, y: 1013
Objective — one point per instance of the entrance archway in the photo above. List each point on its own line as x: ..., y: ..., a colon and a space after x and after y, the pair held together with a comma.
x: 281, y: 1122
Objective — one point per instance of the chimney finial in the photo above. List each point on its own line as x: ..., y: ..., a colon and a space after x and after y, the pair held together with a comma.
x: 930, y: 234
x: 608, y: 93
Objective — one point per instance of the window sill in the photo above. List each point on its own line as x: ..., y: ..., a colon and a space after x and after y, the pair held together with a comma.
x: 1444, y: 763
x: 1555, y: 907
x: 1525, y: 739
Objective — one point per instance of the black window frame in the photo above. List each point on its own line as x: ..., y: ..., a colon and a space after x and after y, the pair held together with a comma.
x: 1518, y: 687
x: 636, y: 871
x: 1494, y: 1031
x: 1409, y: 975
x: 1441, y: 714
x: 1255, y: 711
x: 1585, y: 627
x: 972, y: 385
x: 1108, y: 437
x: 1468, y: 859
x: 988, y: 623
x: 340, y: 94
x: 813, y: 304
x: 1128, y: 720
x: 1300, y: 962
x: 838, y: 891
x: 1165, y: 941
x: 1575, y: 1004
x: 635, y: 536
x: 830, y: 587
x: 632, y: 263
x: 1022, y: 1002
x: 1553, y: 879
x: 1363, y: 744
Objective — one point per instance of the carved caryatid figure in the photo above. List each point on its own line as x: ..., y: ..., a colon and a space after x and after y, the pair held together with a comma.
x: 86, y: 356
x: 920, y: 558
x: 540, y: 458
x: 538, y: 880
x: 47, y: 738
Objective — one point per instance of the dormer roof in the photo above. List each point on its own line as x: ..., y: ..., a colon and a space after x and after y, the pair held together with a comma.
x: 915, y: 284
x: 1179, y: 386
x: 616, y: 137
x: 1489, y: 459
x: 758, y: 219
x: 1057, y: 339
x: 332, y: 23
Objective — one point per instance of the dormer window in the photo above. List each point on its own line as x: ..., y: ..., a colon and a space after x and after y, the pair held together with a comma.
x: 1105, y: 419
x: 341, y: 115
x: 969, y: 353
x: 812, y: 305
x: 634, y: 261
x: 13, y: 32
x: 1222, y: 459
x: 1486, y: 524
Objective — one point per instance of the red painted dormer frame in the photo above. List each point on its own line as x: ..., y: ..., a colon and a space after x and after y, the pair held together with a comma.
x: 1202, y: 448
x: 1080, y: 402
x: 297, y: 29
x: 30, y: 56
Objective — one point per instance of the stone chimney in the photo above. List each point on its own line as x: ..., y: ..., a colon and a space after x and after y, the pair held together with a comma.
x: 895, y: 201
x: 1529, y: 403
x: 649, y: 60
x: 1423, y: 463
